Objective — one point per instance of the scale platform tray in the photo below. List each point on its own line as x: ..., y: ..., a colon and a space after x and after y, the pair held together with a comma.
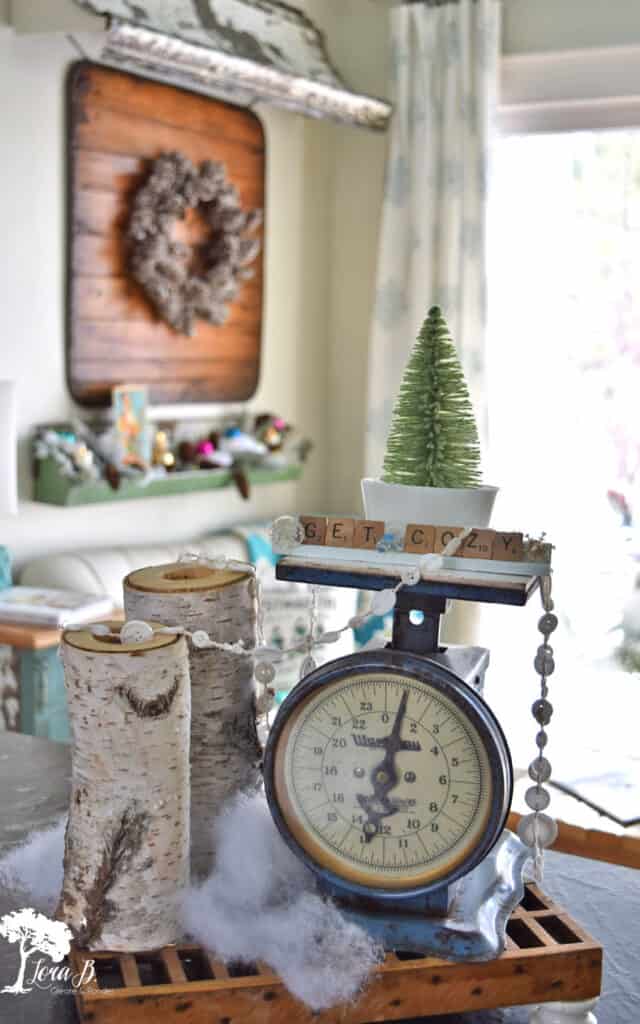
x: 549, y: 958
x: 457, y: 584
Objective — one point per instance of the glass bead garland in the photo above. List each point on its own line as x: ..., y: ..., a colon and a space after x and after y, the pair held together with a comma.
x: 308, y: 663
x: 307, y: 666
x: 383, y: 602
x: 538, y: 830
x: 410, y: 576
x: 265, y: 673
x: 286, y: 531
x: 286, y: 534
x: 540, y: 770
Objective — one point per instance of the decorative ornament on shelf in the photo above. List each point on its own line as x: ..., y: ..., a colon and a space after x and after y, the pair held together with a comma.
x: 161, y: 454
x: 271, y: 430
x: 239, y: 443
x: 160, y: 264
x: 72, y: 455
x: 132, y: 431
x: 132, y: 447
x: 432, y: 462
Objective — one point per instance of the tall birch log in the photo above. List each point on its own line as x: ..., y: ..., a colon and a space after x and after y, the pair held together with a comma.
x: 126, y: 859
x: 225, y: 751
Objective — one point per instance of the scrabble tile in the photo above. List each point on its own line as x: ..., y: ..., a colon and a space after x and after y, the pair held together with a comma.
x: 444, y: 534
x: 507, y: 547
x: 479, y: 544
x: 420, y: 538
x: 340, y: 533
x: 367, y: 533
x: 315, y: 529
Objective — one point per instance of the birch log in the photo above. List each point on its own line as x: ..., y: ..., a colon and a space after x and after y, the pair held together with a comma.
x: 126, y: 859
x: 225, y: 752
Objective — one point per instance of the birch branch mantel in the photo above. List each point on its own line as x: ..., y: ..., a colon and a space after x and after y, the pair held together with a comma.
x: 126, y: 859
x: 225, y: 751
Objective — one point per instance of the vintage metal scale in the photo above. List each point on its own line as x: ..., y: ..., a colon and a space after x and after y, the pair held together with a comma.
x: 390, y: 776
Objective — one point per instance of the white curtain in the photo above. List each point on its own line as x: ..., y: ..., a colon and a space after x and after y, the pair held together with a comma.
x: 432, y: 245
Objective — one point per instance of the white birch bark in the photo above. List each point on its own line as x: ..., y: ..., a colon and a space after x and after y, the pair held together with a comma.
x: 225, y: 751
x: 126, y: 860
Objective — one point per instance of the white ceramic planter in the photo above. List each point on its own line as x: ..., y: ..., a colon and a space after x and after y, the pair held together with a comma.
x: 440, y: 506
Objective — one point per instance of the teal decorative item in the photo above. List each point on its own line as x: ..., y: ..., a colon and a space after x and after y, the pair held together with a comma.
x: 40, y: 681
x: 433, y: 440
x: 5, y: 568
x: 43, y: 705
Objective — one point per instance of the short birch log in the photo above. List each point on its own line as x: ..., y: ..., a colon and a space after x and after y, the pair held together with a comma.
x: 126, y: 859
x: 225, y: 751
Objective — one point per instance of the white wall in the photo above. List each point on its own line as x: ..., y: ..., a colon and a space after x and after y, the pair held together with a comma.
x: 537, y: 26
x: 294, y: 373
x: 357, y: 199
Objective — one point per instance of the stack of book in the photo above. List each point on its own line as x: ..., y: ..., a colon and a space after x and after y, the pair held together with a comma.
x: 52, y: 608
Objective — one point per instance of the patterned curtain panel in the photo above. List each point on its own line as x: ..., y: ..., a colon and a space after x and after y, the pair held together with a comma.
x: 432, y: 245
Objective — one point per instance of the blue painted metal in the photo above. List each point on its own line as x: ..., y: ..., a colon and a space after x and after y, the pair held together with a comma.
x: 335, y: 577
x: 5, y: 568
x: 474, y: 928
x: 423, y: 638
x: 414, y: 908
x: 43, y: 704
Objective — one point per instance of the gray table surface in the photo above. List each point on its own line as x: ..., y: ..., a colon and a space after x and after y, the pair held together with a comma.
x: 34, y: 778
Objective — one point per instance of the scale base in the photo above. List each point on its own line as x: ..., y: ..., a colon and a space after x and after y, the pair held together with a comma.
x: 474, y: 925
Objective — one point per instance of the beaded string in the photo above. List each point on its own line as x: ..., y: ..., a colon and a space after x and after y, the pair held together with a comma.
x: 136, y: 631
x: 539, y: 830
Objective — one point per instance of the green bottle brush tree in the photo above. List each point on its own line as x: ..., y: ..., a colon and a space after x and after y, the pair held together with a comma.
x: 431, y: 468
x: 433, y: 440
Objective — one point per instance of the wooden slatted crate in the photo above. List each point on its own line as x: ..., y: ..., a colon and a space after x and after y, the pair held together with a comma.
x: 549, y: 958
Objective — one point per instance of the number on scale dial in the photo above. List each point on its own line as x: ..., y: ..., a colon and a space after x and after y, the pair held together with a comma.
x: 383, y: 779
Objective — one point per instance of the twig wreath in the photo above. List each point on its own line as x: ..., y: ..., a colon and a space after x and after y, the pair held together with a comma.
x: 160, y: 263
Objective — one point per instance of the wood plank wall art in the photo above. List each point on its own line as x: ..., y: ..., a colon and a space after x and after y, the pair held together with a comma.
x: 118, y: 123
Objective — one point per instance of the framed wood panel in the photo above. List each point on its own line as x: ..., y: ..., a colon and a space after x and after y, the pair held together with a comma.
x: 117, y: 123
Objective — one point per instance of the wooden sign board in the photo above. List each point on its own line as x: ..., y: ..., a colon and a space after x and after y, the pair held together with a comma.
x: 418, y: 538
x: 368, y: 545
x: 117, y: 123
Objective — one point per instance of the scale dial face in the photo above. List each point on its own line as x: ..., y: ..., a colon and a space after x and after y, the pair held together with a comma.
x: 385, y: 779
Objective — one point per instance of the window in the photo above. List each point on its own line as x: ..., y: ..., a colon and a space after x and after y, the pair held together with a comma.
x: 564, y: 409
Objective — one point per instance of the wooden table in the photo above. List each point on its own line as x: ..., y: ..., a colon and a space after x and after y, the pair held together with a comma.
x: 33, y: 793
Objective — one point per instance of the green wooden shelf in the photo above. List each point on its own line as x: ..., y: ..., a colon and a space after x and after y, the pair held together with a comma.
x: 54, y: 489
